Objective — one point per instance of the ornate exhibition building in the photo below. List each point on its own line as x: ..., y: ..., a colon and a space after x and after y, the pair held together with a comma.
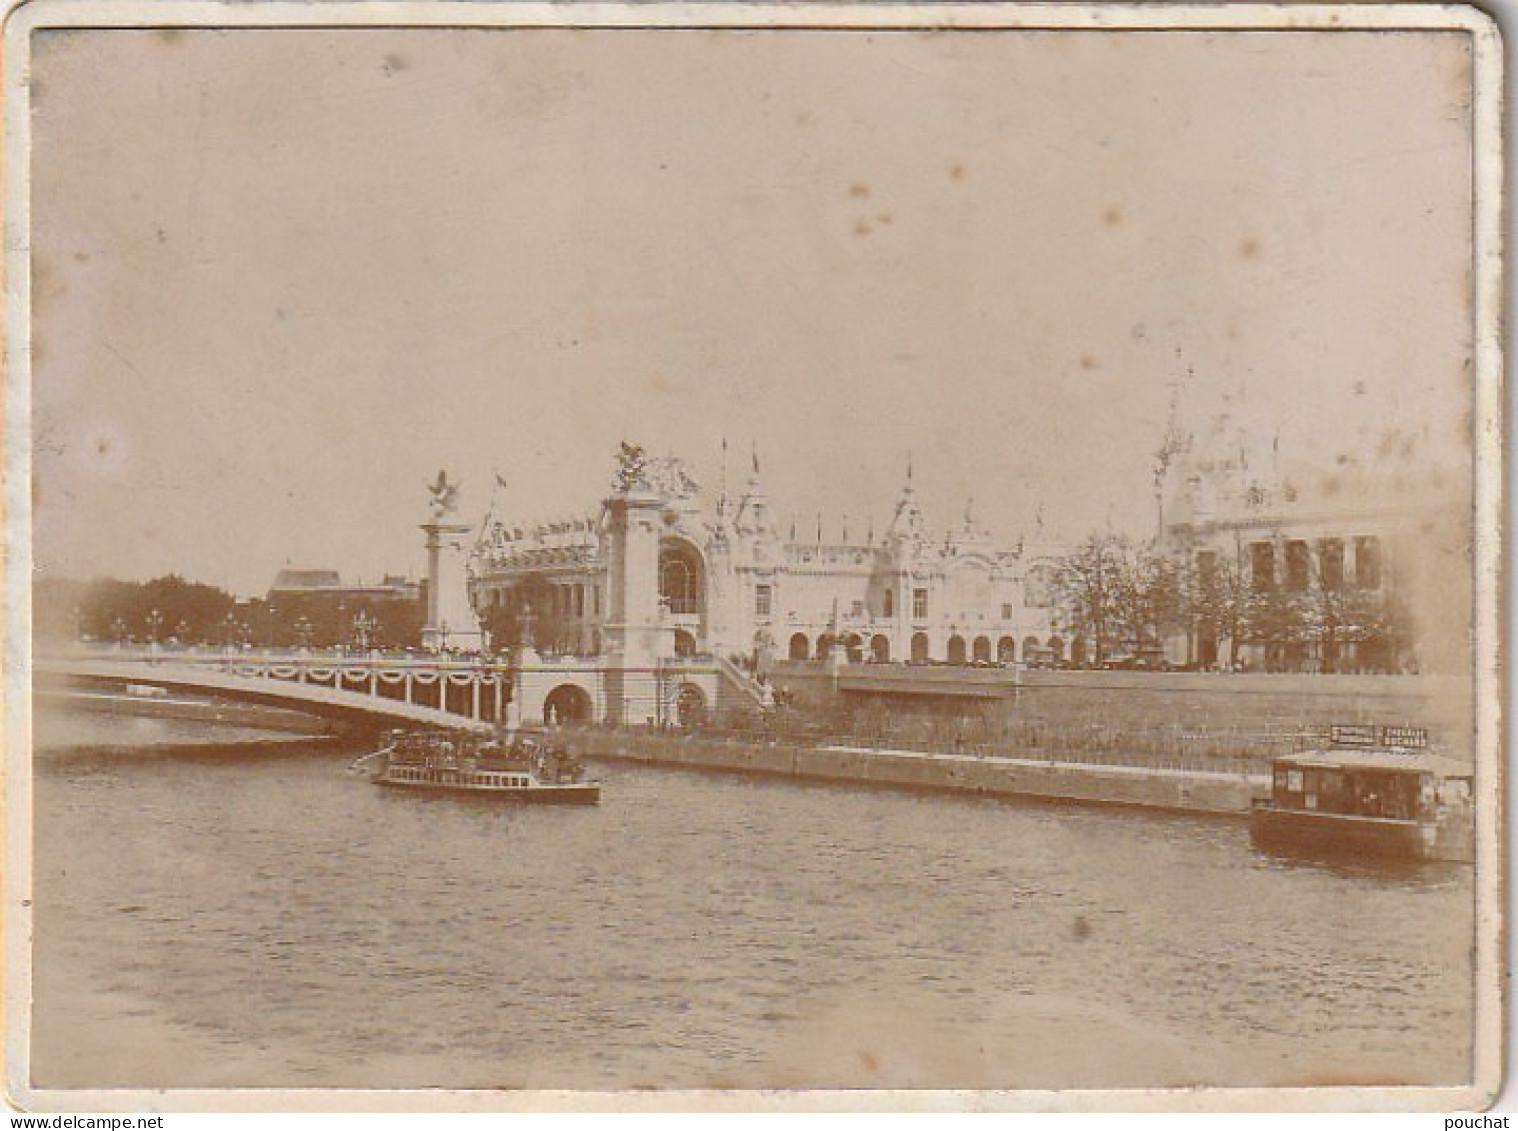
x: 662, y: 570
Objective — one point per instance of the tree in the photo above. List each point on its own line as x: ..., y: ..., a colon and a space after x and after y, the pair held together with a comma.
x: 1093, y: 592
x: 530, y: 614
x: 1333, y: 615
x: 1157, y: 596
x: 1223, y: 608
x: 165, y: 607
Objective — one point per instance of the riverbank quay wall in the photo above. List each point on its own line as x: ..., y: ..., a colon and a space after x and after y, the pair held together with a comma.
x: 1145, y: 787
x: 1194, y: 717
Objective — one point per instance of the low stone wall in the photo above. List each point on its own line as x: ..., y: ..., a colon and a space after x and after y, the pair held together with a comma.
x: 1174, y: 713
x: 1179, y: 790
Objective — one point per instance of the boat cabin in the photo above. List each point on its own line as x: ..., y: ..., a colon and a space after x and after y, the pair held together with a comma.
x: 1396, y: 783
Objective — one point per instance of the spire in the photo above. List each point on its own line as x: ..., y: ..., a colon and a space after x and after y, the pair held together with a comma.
x: 722, y: 495
x: 907, y: 521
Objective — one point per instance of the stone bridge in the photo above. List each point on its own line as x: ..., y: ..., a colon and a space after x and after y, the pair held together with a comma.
x: 419, y: 690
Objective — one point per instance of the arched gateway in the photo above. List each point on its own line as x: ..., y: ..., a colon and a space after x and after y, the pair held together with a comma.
x: 568, y: 703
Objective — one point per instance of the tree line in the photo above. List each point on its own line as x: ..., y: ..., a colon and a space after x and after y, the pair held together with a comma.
x: 1121, y: 601
x: 172, y: 610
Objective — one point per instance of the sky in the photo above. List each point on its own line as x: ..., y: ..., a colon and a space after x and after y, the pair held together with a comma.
x: 282, y: 277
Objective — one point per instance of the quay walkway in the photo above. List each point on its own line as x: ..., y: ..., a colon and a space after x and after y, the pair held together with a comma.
x: 1180, y: 790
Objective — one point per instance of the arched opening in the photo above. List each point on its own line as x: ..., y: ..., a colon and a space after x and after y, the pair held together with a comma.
x: 1078, y: 652
x: 1057, y: 649
x: 956, y: 654
x: 824, y: 645
x: 567, y: 704
x: 919, y: 647
x: 685, y: 643
x: 982, y: 650
x: 854, y: 646
x: 680, y: 576
x: 690, y: 706
x: 1031, y: 650
x: 800, y: 647
x: 880, y: 649
x: 1006, y: 650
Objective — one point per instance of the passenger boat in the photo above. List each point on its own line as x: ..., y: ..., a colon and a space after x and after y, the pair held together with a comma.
x: 531, y: 768
x: 1363, y: 795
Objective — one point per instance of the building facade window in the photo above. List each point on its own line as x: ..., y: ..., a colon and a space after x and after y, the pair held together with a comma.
x: 1368, y: 562
x: 1207, y: 566
x: 1298, y: 566
x: 1262, y: 564
x: 1331, y: 559
x: 762, y: 600
x: 1006, y: 610
x: 888, y: 604
x: 680, y: 578
x: 919, y: 604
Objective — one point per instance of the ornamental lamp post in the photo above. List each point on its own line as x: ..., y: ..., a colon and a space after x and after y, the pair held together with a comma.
x: 155, y: 621
x: 363, y: 624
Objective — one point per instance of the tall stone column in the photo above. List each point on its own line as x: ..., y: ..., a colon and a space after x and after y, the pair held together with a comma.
x: 451, y: 621
x: 637, y: 639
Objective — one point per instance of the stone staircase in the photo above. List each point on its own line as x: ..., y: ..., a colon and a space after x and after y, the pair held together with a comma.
x: 737, y: 691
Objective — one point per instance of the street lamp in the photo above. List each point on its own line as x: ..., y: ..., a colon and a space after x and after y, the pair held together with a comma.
x: 363, y: 625
x: 155, y: 620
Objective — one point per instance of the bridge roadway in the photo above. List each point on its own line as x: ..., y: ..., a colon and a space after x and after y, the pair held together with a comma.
x: 363, y: 688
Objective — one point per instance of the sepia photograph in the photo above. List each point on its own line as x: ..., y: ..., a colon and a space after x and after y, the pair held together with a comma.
x: 752, y: 556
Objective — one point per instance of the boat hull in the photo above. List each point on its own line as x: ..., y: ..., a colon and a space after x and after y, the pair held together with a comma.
x: 575, y: 793
x: 1298, y: 832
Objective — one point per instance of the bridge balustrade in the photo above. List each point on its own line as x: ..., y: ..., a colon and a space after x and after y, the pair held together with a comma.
x: 364, y: 676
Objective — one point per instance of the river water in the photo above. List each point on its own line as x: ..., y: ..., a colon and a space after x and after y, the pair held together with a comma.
x: 261, y: 916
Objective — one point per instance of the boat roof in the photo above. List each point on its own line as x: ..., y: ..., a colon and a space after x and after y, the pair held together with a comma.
x: 1393, y: 759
